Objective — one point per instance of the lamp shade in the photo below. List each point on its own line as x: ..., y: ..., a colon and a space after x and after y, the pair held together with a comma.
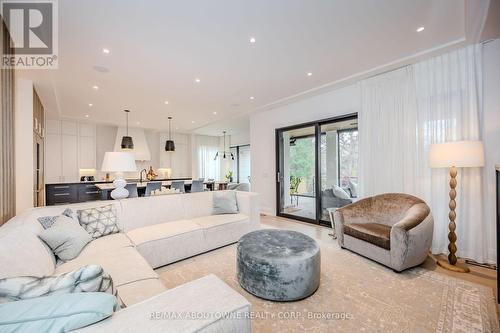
x: 118, y: 162
x: 460, y: 154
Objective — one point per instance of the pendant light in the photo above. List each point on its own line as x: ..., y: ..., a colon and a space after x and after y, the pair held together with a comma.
x: 225, y: 153
x: 127, y: 142
x: 169, y: 144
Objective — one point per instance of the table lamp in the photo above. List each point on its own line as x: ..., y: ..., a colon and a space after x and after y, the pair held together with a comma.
x: 453, y: 155
x: 119, y: 163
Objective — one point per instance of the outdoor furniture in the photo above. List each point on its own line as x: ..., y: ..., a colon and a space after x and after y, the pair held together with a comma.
x: 331, y: 211
x: 393, y: 229
x: 278, y: 265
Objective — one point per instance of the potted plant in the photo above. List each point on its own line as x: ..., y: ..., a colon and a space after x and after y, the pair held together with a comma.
x: 229, y: 176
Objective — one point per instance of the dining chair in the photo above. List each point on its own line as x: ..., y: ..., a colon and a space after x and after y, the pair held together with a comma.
x: 152, y: 186
x: 132, y: 190
x: 178, y: 185
x: 197, y: 186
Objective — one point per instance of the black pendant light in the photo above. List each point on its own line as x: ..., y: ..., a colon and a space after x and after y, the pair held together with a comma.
x: 224, y: 152
x: 169, y: 144
x: 127, y: 142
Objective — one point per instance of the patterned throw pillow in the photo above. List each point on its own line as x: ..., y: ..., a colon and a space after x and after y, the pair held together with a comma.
x: 91, y: 278
x: 48, y: 221
x: 100, y: 221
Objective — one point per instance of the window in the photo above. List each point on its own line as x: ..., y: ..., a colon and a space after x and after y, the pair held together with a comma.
x: 241, y: 163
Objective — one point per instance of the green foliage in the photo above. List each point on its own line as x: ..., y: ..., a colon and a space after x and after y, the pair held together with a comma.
x: 302, y: 160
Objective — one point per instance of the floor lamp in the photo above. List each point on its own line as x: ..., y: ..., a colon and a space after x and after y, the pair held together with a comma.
x: 453, y: 155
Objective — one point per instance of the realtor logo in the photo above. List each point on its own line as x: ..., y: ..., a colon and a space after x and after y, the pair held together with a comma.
x: 33, y: 30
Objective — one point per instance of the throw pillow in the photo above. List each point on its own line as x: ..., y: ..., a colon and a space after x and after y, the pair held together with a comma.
x: 340, y: 193
x: 66, y: 238
x: 99, y: 221
x: 48, y: 221
x: 353, y: 187
x: 91, y: 278
x: 225, y: 203
x: 56, y: 313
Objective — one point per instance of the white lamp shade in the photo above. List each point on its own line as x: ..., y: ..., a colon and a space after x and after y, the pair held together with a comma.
x: 118, y: 162
x: 460, y: 154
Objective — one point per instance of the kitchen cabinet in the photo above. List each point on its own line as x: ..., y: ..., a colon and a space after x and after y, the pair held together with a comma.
x: 86, y: 146
x: 70, y: 146
x: 179, y: 161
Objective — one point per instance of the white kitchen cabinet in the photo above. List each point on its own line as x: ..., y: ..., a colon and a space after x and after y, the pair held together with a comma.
x: 70, y: 170
x: 86, y: 146
x: 178, y: 161
x: 53, y: 158
x: 70, y: 146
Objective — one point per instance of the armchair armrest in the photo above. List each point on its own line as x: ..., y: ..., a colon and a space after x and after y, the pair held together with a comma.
x: 413, y: 217
x: 203, y: 305
x: 411, y: 239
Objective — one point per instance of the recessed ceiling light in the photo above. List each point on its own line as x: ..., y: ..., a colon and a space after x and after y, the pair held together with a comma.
x: 105, y: 51
x: 420, y: 29
x: 197, y: 80
x: 251, y: 97
x: 192, y: 121
x: 309, y: 74
x: 166, y: 102
x: 138, y: 123
x: 252, y: 40
x: 177, y: 128
x: 86, y: 116
x: 215, y: 112
x: 95, y: 87
x: 90, y: 104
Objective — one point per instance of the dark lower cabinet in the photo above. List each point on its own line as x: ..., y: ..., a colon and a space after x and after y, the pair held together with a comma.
x: 63, y: 194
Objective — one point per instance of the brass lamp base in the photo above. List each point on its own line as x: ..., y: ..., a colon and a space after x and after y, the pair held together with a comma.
x: 459, y: 268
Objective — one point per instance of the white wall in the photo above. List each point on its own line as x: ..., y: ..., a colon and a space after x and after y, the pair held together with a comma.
x: 24, y: 144
x: 491, y: 129
x: 262, y: 134
x: 347, y: 100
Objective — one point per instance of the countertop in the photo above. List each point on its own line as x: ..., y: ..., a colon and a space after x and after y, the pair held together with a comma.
x: 110, y: 181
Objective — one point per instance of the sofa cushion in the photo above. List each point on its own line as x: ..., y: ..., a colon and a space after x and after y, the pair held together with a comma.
x: 164, y: 243
x: 99, y: 221
x: 106, y: 244
x: 211, y: 221
x: 125, y: 265
x: 65, y: 237
x: 225, y: 203
x: 139, y: 291
x: 29, y: 257
x: 161, y: 231
x: 57, y: 313
x: 374, y: 233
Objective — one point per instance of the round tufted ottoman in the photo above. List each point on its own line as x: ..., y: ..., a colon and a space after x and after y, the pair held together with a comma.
x: 278, y: 265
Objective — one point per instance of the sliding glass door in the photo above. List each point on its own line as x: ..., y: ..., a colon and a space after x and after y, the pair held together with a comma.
x: 297, y: 176
x: 316, y: 167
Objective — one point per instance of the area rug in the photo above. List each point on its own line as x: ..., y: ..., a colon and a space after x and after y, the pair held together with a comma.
x: 356, y: 295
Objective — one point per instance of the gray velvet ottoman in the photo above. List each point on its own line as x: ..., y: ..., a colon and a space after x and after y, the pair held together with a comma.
x: 278, y: 265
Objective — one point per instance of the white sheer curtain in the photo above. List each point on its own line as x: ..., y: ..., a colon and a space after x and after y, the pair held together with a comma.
x: 204, y: 150
x: 405, y: 111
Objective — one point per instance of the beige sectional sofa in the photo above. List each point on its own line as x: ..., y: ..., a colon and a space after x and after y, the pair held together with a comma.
x: 157, y: 231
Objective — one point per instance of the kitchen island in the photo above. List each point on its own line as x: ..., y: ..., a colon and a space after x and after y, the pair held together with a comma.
x: 74, y: 192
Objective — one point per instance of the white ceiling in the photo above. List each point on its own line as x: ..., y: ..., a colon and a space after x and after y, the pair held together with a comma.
x: 158, y: 48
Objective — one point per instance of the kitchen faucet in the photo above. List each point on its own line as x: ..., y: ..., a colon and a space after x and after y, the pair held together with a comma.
x: 140, y: 176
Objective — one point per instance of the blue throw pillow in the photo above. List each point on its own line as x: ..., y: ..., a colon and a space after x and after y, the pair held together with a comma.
x: 225, y: 203
x: 58, y: 313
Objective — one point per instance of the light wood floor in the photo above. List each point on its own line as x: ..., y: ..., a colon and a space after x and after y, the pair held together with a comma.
x: 480, y: 275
